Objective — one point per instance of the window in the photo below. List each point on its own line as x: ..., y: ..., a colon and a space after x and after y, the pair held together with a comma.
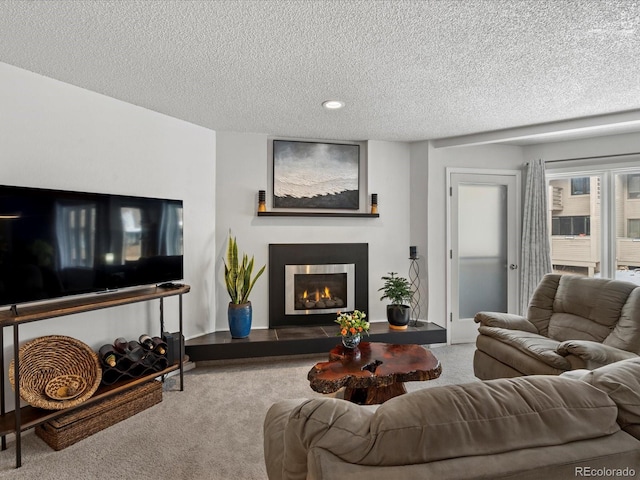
x: 633, y: 228
x: 574, y: 245
x: 580, y: 186
x: 633, y: 186
x: 576, y: 225
x: 598, y: 234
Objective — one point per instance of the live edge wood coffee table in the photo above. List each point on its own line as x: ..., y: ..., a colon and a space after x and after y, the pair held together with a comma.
x: 375, y: 372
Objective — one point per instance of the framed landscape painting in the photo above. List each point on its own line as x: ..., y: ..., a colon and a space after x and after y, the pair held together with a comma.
x: 316, y: 175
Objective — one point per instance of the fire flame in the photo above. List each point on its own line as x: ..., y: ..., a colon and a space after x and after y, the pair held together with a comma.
x: 319, y: 294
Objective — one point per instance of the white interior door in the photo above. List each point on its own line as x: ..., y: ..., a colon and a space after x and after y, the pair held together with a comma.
x: 484, y: 239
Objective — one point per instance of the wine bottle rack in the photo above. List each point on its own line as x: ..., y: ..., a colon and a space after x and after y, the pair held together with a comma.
x: 126, y: 369
x: 23, y: 418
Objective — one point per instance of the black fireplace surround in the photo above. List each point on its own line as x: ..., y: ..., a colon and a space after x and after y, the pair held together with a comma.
x: 314, y: 254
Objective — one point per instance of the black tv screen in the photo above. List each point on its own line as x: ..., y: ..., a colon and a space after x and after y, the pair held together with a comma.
x: 56, y: 243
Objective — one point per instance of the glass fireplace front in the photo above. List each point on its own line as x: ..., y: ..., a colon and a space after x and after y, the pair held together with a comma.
x: 316, y: 289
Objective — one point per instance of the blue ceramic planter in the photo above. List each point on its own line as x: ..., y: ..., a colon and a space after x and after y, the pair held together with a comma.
x: 239, y: 316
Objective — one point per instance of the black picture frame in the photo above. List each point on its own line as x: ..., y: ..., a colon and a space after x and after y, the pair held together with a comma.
x: 316, y: 175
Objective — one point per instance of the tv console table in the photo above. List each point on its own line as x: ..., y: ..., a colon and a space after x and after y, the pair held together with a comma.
x: 21, y: 419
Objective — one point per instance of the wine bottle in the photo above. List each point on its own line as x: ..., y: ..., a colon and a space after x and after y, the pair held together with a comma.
x: 159, y: 346
x: 135, y: 352
x: 146, y: 341
x: 120, y: 344
x: 108, y: 355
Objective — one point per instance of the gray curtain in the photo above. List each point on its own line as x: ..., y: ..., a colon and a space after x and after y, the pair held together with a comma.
x: 536, y: 251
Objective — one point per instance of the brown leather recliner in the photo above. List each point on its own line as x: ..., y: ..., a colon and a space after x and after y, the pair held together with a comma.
x: 572, y: 322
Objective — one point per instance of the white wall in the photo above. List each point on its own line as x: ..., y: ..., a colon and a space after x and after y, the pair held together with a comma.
x: 243, y: 168
x: 419, y: 218
x: 55, y: 135
x: 499, y: 157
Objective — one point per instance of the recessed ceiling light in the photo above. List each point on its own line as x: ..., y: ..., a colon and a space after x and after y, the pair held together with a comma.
x: 333, y: 104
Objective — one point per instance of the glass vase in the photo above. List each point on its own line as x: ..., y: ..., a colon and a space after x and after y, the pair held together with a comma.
x: 351, y: 341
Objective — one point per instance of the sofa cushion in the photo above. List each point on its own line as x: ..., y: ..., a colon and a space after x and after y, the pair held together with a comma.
x: 537, y: 346
x: 587, y: 308
x: 487, y: 418
x: 621, y: 381
x: 541, y: 303
x: 486, y: 367
x: 626, y: 333
x: 274, y: 426
x: 566, y: 326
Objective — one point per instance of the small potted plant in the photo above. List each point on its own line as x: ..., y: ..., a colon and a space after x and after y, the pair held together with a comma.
x: 398, y: 291
x: 239, y: 284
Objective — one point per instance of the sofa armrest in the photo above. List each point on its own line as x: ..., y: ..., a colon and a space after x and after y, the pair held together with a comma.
x: 333, y: 424
x: 505, y: 320
x: 594, y: 354
x: 275, y: 423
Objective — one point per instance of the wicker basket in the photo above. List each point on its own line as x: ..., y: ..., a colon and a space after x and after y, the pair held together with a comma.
x: 80, y: 423
x: 65, y: 387
x: 45, y: 358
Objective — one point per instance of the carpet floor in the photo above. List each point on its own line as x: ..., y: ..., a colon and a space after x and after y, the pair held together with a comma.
x: 210, y: 431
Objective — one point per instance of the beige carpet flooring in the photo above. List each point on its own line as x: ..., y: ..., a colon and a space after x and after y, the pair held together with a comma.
x: 211, y: 431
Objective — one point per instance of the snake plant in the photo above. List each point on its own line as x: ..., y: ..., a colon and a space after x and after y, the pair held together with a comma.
x: 238, y: 275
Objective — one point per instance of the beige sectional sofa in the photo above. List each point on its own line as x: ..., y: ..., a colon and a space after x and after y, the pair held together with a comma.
x: 551, y: 427
x: 572, y: 322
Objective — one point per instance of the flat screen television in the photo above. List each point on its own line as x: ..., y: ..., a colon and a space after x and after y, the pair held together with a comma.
x: 55, y: 243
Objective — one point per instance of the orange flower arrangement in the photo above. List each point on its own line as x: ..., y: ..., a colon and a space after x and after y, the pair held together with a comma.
x: 352, y: 323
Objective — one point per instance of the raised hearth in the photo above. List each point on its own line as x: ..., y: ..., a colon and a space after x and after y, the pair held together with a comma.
x: 301, y: 340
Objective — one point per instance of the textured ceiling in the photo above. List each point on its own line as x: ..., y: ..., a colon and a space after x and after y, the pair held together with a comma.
x: 407, y: 70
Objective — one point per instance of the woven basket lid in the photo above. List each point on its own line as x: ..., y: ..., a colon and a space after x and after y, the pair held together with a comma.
x: 45, y: 358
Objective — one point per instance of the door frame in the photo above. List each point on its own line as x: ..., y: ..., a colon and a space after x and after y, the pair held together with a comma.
x: 450, y: 171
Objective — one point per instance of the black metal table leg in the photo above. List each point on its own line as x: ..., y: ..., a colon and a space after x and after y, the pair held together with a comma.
x: 3, y: 405
x: 16, y: 360
x: 181, y: 342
